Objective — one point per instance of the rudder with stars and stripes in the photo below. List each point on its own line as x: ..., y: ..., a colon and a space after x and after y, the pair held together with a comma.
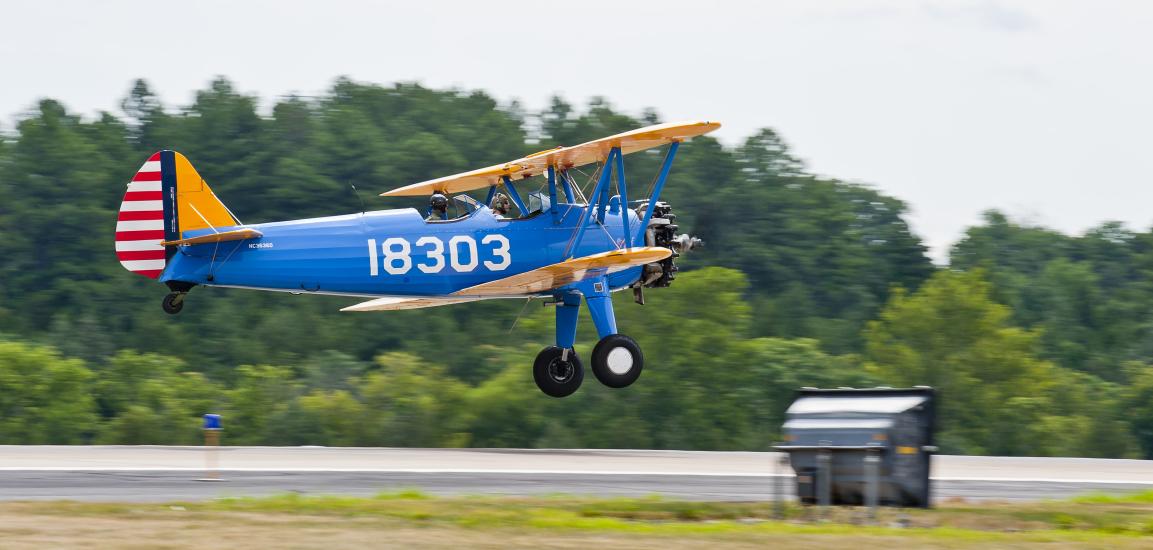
x: 142, y: 223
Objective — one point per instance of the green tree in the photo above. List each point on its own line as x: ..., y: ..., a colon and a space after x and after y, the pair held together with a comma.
x: 1090, y: 295
x: 952, y: 336
x: 151, y: 399
x: 1138, y: 406
x: 262, y: 394
x: 339, y: 418
x: 44, y: 397
x: 414, y: 404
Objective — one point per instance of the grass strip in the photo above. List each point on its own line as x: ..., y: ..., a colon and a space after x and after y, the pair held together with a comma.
x: 1082, y: 518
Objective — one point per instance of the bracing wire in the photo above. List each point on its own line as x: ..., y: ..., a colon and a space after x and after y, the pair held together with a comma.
x: 519, y: 315
x: 580, y: 196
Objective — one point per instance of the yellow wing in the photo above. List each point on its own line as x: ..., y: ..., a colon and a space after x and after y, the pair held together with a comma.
x: 397, y: 304
x: 527, y: 283
x: 567, y: 272
x: 234, y: 235
x: 561, y: 157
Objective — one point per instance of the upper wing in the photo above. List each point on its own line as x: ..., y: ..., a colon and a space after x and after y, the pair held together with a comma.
x: 561, y: 157
x: 567, y: 272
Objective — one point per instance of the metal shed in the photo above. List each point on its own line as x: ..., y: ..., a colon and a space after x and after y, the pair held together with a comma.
x: 842, y: 437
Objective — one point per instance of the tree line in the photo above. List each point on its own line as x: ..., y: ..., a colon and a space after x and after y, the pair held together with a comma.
x: 1039, y: 342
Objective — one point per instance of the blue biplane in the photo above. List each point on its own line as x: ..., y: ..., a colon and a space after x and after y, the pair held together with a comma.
x: 563, y: 247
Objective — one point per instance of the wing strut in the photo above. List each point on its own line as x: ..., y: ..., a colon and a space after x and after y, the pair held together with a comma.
x: 657, y: 187
x: 552, y: 193
x: 566, y: 183
x: 597, y: 199
x: 515, y: 196
x: 624, y: 199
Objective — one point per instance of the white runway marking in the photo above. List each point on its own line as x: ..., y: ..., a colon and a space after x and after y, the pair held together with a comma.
x: 532, y: 472
x: 539, y: 462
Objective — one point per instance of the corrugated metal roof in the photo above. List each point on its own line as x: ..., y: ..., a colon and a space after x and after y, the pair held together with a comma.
x: 839, y: 424
x: 891, y: 404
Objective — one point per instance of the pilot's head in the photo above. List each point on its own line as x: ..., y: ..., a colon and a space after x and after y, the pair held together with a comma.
x: 500, y: 204
x: 438, y: 202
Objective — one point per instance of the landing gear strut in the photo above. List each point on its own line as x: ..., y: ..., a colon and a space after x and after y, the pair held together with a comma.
x: 617, y: 359
x: 557, y: 373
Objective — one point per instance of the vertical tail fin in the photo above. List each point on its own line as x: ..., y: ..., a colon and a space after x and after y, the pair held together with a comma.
x: 165, y: 198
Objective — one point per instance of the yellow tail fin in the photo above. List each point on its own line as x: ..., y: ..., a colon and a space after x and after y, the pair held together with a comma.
x: 197, y: 205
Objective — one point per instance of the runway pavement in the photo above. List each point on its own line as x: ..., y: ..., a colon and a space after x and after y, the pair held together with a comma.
x: 148, y: 474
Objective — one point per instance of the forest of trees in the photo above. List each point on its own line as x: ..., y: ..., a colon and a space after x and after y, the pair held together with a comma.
x: 1040, y: 343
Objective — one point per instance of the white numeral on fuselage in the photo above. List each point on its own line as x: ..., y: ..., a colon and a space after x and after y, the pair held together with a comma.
x: 436, y: 254
x: 396, y: 249
x: 501, y: 252
x: 396, y: 254
x: 454, y: 255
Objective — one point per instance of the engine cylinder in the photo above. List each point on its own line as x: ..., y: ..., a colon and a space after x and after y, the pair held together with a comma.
x: 663, y: 232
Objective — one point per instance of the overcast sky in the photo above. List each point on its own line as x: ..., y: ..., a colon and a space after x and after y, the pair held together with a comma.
x: 1042, y: 109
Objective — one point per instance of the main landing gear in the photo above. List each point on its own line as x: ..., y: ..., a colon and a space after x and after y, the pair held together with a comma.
x: 617, y: 362
x: 617, y: 359
x: 558, y: 374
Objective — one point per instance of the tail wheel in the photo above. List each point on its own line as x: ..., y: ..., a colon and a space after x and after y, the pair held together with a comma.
x: 173, y: 303
x: 617, y: 361
x: 558, y: 374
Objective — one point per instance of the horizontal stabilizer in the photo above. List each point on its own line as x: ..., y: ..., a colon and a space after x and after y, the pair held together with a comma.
x: 234, y: 235
x: 567, y: 272
x: 396, y: 304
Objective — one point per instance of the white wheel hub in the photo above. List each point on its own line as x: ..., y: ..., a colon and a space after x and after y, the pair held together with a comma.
x: 620, y: 360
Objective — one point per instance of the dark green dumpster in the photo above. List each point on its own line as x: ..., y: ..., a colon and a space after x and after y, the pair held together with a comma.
x: 861, y: 446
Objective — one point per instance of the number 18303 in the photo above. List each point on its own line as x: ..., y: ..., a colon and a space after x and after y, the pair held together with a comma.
x: 398, y: 255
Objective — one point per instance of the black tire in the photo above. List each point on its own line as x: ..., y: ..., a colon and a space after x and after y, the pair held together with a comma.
x: 556, y: 377
x: 617, y: 361
x: 173, y: 303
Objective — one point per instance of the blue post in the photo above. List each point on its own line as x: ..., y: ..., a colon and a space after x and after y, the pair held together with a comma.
x: 491, y: 195
x: 567, y: 313
x: 211, y: 444
x: 568, y: 192
x: 552, y: 192
x: 512, y: 194
x: 212, y: 422
x: 603, y: 182
x: 660, y: 184
x: 624, y: 199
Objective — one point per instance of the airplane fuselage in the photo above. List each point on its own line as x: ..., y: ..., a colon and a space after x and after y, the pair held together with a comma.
x: 397, y: 252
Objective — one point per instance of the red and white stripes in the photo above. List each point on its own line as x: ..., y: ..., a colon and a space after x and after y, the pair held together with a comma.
x: 140, y: 224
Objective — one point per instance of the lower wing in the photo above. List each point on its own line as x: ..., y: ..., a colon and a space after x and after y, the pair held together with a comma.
x: 529, y: 283
x: 396, y: 304
x: 551, y: 277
